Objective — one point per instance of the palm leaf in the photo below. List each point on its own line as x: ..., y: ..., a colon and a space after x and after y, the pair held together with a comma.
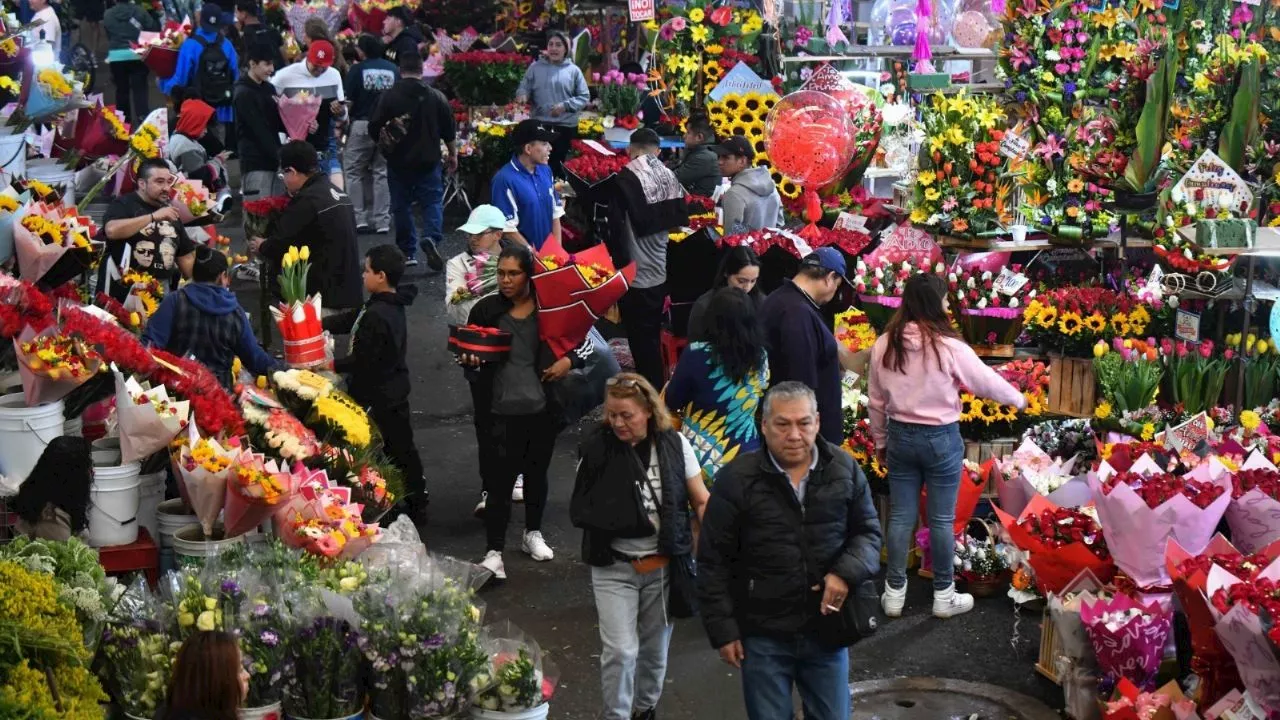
x: 1242, y: 127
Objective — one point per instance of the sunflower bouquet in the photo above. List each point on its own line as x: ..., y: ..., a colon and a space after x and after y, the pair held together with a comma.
x: 54, y: 243
x: 960, y: 188
x: 1071, y: 320
x: 983, y: 419
x: 862, y: 447
x: 145, y: 293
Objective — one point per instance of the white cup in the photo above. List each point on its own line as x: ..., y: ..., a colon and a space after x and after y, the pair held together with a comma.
x: 1019, y: 233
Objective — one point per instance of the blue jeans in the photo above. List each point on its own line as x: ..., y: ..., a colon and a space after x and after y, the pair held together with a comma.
x: 425, y: 188
x: 772, y: 666
x: 929, y: 456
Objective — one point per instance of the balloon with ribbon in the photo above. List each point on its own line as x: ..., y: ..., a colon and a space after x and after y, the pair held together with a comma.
x: 810, y: 140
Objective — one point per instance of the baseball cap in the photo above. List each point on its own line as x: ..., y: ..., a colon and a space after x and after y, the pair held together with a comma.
x: 531, y: 131
x: 211, y: 15
x: 320, y: 53
x: 736, y: 145
x: 482, y: 218
x: 826, y: 258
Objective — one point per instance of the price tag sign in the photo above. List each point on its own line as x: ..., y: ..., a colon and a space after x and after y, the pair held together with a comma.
x: 847, y: 221
x: 641, y: 10
x: 606, y: 151
x: 1009, y: 282
x: 1015, y: 144
x: 1187, y: 326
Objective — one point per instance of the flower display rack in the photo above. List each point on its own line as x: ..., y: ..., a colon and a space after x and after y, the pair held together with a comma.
x: 1072, y: 386
x: 1046, y: 665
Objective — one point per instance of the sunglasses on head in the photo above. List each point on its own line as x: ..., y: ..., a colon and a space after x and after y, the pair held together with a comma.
x: 622, y: 382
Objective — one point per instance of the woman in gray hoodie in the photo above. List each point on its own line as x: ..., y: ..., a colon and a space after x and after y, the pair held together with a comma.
x: 557, y: 91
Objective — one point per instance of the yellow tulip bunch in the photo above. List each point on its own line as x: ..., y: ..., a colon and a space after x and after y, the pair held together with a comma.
x: 293, y: 275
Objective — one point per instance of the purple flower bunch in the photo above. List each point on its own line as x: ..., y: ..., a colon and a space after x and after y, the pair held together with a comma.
x: 321, y: 671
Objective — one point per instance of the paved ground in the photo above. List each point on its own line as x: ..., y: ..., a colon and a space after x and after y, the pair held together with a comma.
x: 553, y: 602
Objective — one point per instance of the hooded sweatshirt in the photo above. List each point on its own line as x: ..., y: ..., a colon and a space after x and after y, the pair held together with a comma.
x: 927, y: 392
x: 184, y: 148
x: 405, y: 43
x: 751, y: 202
x: 377, y: 374
x: 205, y: 321
x: 548, y: 84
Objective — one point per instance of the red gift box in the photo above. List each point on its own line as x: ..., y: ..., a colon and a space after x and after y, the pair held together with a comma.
x: 568, y: 302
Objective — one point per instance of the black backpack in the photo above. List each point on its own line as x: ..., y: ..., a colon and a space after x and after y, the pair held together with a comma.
x: 212, y: 82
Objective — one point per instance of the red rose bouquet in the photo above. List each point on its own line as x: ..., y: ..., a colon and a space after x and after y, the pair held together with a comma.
x: 260, y: 215
x: 1254, y: 512
x: 1062, y: 543
x: 1246, y: 613
x: 159, y: 51
x: 592, y: 166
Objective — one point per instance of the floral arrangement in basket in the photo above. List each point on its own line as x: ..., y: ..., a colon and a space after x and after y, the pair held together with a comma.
x: 983, y: 418
x: 879, y: 283
x: 1179, y: 210
x: 980, y: 560
x: 1071, y: 320
x: 620, y: 95
x: 988, y: 305
x: 298, y: 316
x: 485, y: 77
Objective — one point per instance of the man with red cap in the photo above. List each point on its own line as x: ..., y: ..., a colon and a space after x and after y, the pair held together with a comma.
x: 315, y: 75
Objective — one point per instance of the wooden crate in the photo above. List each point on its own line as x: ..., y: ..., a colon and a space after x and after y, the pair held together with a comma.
x: 1047, y: 664
x: 981, y: 452
x: 1072, y: 386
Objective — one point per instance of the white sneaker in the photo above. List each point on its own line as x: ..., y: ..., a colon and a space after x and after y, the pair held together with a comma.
x: 479, y: 511
x: 949, y: 603
x: 893, y: 600
x: 517, y: 492
x: 536, y: 547
x: 493, y: 563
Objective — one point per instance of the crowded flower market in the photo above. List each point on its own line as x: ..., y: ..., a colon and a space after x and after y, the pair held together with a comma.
x: 911, y: 358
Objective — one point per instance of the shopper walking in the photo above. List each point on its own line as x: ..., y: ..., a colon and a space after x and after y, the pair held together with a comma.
x: 789, y: 532
x: 367, y: 80
x: 718, y: 382
x: 739, y: 268
x: 524, y: 189
x: 123, y: 21
x: 801, y: 346
x: 207, y: 68
x: 258, y: 127
x: 411, y: 123
x: 255, y: 33
x: 918, y: 367
x: 400, y: 34
x: 525, y: 417
x: 316, y: 75
x: 639, y: 567
x: 556, y: 90
x: 648, y: 205
x: 208, y: 680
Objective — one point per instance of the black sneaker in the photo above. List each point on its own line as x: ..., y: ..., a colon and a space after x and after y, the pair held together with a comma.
x: 434, y: 261
x: 650, y: 714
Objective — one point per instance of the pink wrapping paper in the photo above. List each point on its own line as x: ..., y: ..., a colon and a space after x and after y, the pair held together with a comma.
x: 1241, y: 633
x: 1254, y: 517
x: 144, y: 431
x: 242, y: 513
x: 1132, y: 650
x: 1137, y: 534
x: 38, y: 388
x: 297, y: 113
x: 1014, y: 491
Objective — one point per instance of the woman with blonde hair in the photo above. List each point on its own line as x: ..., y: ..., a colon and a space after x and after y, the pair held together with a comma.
x: 638, y: 498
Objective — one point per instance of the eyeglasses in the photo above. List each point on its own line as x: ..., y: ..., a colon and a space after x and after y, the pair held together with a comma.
x: 622, y: 382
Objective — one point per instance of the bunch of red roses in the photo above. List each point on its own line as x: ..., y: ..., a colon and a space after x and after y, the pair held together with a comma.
x: 1245, y: 567
x: 1157, y: 489
x: 1268, y: 481
x: 1059, y: 527
x: 594, y: 167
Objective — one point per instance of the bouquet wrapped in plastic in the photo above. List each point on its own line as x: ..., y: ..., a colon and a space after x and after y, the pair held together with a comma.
x: 320, y: 518
x: 1142, y: 508
x: 54, y: 243
x: 1061, y: 543
x: 575, y: 290
x: 1246, y: 615
x: 52, y: 364
x: 1064, y: 610
x: 1128, y: 638
x: 101, y: 131
x: 1167, y: 703
x: 306, y: 344
x: 159, y: 51
x: 204, y: 465
x: 518, y: 678
x: 298, y: 12
x: 322, y: 664
x: 51, y: 93
x: 1030, y: 472
x: 260, y: 215
x: 192, y: 200
x: 1254, y: 512
x: 274, y: 429
x: 137, y: 650
x: 297, y: 112
x: 147, y: 417
x: 260, y: 618
x: 256, y: 488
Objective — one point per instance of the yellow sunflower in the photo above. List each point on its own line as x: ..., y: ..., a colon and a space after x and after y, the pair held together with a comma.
x: 761, y: 160
x: 1047, y: 317
x: 713, y: 49
x: 1120, y: 324
x: 988, y: 412
x: 712, y: 70
x: 731, y: 104
x: 789, y: 189
x: 760, y: 145
x: 974, y: 407
x: 756, y: 132
x: 746, y: 117
x: 753, y: 101
x: 1070, y: 323
x: 770, y: 101
x: 737, y: 128
x: 1139, y: 316
x: 1096, y: 322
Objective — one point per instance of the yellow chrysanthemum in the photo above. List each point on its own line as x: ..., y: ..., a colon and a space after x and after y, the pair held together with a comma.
x: 1103, y: 411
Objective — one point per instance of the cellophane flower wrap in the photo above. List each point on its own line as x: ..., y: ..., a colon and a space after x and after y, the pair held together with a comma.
x: 51, y: 93
x: 1246, y: 614
x: 297, y: 112
x: 260, y: 619
x: 322, y: 668
x: 375, y: 482
x: 321, y: 518
x: 298, y: 317
x: 1254, y: 512
x: 197, y: 600
x: 1061, y: 543
x: 298, y: 12
x: 575, y: 290
x: 147, y: 417
x: 100, y: 131
x: 1143, y: 507
x: 973, y: 481
x: 159, y: 50
x: 1128, y: 638
x: 137, y: 650
x: 1030, y: 472
x: 256, y: 488
x: 191, y: 199
x: 54, y: 243
x: 517, y: 677
x: 421, y: 638
x: 52, y: 364
x: 205, y: 464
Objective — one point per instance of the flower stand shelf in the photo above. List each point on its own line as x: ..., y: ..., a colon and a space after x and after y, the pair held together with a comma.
x: 1072, y: 386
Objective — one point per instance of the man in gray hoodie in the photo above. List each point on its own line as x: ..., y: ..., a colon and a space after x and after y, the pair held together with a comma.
x: 752, y: 201
x: 557, y: 92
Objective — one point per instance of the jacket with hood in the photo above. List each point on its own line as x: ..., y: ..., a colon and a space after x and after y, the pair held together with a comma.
x: 205, y: 321
x: 123, y: 21
x: 321, y: 216
x: 802, y: 348
x: 184, y: 149
x: 927, y: 391
x: 375, y: 367
x: 548, y: 84
x: 751, y: 202
x: 189, y: 62
x: 699, y: 172
x: 258, y: 125
x: 430, y: 122
x: 406, y: 43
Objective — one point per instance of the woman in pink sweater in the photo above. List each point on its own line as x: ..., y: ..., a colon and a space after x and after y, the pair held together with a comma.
x: 918, y: 368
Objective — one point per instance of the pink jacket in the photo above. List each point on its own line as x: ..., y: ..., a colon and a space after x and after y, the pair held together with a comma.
x: 925, y: 394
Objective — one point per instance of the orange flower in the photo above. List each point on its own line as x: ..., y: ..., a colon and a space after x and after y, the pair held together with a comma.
x: 1075, y: 185
x: 959, y: 225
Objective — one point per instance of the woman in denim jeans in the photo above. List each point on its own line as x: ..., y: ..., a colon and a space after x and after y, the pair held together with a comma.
x: 919, y: 366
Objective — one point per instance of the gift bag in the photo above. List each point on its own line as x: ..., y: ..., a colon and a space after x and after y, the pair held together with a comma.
x: 573, y: 291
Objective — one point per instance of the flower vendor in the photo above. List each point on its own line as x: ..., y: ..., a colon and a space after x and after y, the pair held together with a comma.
x: 375, y: 367
x: 321, y: 217
x: 523, y: 189
x: 752, y: 201
x: 204, y: 319
x: 144, y: 233
x: 207, y: 67
x: 557, y: 90
x: 186, y: 152
x: 53, y: 502
x: 739, y: 268
x: 699, y: 170
x: 918, y: 367
x: 208, y: 680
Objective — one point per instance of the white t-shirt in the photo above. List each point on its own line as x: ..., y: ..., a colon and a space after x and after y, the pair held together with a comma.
x: 651, y: 495
x: 50, y: 30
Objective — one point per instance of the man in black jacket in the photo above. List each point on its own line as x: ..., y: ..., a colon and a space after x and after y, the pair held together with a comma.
x: 319, y: 216
x: 258, y: 126
x: 421, y: 118
x: 790, y: 529
x: 699, y: 170
x: 401, y: 35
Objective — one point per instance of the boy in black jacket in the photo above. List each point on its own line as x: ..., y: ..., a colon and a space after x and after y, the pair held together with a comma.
x: 375, y: 368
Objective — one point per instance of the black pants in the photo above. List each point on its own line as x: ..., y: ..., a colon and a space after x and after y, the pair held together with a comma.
x: 396, y: 425
x: 130, y: 79
x: 565, y: 135
x: 525, y: 444
x: 486, y: 447
x: 641, y: 310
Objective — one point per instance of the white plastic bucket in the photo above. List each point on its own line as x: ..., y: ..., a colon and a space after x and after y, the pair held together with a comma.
x: 25, y: 433
x: 359, y: 715
x: 191, y: 549
x: 105, y: 452
x: 266, y: 712
x: 150, y: 495
x: 52, y: 172
x: 113, y: 505
x: 171, y: 516
x: 73, y: 427
x: 535, y: 713
x: 13, y: 155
